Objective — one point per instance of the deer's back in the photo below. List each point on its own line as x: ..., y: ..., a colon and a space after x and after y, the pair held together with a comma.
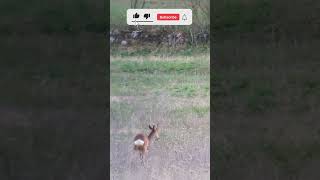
x: 141, y: 136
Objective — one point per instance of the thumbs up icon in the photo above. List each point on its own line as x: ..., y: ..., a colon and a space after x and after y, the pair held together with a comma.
x: 136, y: 15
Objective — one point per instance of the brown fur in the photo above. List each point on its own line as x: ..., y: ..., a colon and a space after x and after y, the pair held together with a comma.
x: 143, y: 149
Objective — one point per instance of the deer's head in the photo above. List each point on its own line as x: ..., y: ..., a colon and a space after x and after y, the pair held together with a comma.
x: 155, y: 130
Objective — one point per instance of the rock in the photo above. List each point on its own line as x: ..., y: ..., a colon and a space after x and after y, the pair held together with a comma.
x: 112, y: 39
x: 116, y: 32
x: 124, y: 42
x: 136, y: 34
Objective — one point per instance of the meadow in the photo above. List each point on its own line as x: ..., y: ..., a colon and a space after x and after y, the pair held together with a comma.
x: 50, y: 95
x: 265, y: 90
x: 52, y: 90
x: 172, y: 91
x: 152, y: 84
x: 266, y: 107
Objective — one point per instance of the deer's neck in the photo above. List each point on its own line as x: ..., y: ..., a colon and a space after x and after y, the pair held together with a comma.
x: 151, y: 135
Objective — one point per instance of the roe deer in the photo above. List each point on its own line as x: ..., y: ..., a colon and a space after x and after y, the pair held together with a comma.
x: 142, y: 142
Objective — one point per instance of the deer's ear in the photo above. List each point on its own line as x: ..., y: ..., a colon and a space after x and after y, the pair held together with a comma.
x: 150, y: 127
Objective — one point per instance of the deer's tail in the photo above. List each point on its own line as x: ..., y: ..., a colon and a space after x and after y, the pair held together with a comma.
x: 138, y: 144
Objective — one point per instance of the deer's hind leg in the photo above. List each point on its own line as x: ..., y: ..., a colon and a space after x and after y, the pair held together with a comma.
x: 141, y: 156
x: 142, y: 159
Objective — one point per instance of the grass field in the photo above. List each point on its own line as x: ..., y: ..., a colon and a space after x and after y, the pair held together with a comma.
x: 266, y: 109
x: 52, y: 107
x: 157, y: 84
x: 172, y: 91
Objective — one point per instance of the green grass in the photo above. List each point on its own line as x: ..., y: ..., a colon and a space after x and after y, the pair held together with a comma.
x: 157, y: 67
x: 153, y: 75
x: 287, y: 158
x: 241, y: 16
x: 265, y: 100
x: 189, y: 90
x: 160, y: 51
x: 50, y: 84
x: 49, y: 17
x: 172, y: 91
x: 179, y: 82
x: 118, y: 11
x: 199, y: 111
x: 157, y: 83
x: 291, y: 157
x: 265, y: 17
x: 261, y: 99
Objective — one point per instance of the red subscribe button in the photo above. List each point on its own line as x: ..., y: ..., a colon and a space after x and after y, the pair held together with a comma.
x: 168, y: 17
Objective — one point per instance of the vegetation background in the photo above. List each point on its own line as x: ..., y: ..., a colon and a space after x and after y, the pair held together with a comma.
x: 53, y: 90
x: 265, y: 89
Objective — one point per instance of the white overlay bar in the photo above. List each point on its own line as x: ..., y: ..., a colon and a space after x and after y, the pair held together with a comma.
x: 159, y: 16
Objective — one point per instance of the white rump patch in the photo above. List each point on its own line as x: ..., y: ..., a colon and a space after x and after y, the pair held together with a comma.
x: 139, y: 142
